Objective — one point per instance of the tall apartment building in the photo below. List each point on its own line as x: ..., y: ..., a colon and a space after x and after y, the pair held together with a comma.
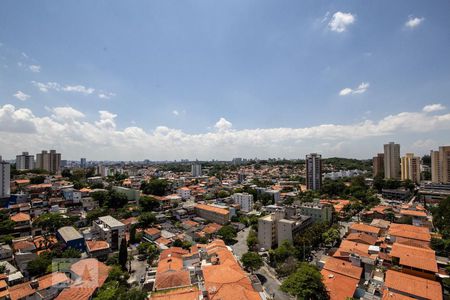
x: 314, y: 171
x: 410, y: 167
x: 196, y: 170
x: 392, y: 161
x: 24, y: 161
x: 83, y: 162
x: 276, y: 228
x: 440, y: 165
x: 245, y: 201
x: 50, y: 161
x: 378, y: 164
x: 435, y: 166
x: 5, y: 170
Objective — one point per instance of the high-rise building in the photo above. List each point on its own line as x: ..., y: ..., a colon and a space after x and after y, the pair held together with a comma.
x: 440, y: 165
x: 24, y: 161
x: 378, y: 164
x: 5, y: 170
x: 83, y: 162
x: 392, y: 161
x: 50, y: 161
x: 314, y: 171
x: 196, y: 170
x: 410, y: 168
x: 435, y: 166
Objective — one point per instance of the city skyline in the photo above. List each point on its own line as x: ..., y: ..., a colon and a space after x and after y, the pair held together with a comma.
x: 233, y: 79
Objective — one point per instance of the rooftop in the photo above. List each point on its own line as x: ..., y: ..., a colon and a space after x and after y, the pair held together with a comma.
x: 214, y: 209
x: 412, y: 285
x: 111, y: 222
x: 365, y: 228
x: 68, y: 233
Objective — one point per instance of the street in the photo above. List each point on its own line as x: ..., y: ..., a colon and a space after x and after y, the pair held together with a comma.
x: 271, y: 284
x: 138, y: 270
x: 269, y: 281
x: 241, y: 246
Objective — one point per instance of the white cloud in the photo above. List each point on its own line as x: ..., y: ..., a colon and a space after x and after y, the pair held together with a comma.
x: 21, y: 96
x: 223, y: 125
x: 106, y: 95
x: 433, y: 107
x: 345, y: 91
x: 176, y: 112
x: 413, y: 22
x: 78, y: 89
x: 340, y: 21
x: 66, y: 113
x: 35, y: 68
x: 362, y: 88
x: 67, y: 130
x: 45, y: 87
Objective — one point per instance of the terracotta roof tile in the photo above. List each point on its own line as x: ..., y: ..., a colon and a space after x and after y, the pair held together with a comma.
x: 412, y: 285
x: 419, y: 258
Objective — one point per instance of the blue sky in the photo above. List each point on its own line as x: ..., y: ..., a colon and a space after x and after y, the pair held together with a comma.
x: 164, y: 73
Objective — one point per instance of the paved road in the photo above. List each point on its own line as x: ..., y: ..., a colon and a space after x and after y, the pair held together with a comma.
x: 138, y: 270
x: 272, y: 284
x: 241, y: 246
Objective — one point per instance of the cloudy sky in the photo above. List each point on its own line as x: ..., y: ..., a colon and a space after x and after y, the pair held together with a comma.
x: 132, y: 80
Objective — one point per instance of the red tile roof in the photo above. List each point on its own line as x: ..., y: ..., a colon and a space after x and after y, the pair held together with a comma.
x: 365, y: 228
x: 187, y: 293
x: 412, y: 285
x: 20, y: 217
x: 410, y: 231
x: 419, y: 258
x: 214, y: 209
x: 339, y: 286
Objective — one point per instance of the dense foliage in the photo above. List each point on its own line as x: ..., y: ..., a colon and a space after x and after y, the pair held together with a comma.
x: 305, y: 283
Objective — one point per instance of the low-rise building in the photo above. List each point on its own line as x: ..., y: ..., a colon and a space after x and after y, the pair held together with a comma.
x: 317, y: 211
x: 212, y: 213
x: 110, y: 230
x: 71, y: 238
x: 184, y: 193
x: 399, y: 285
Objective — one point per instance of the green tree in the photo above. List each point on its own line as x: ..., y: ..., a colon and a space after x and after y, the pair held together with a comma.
x: 148, y: 203
x: 94, y: 214
x: 100, y: 196
x: 441, y: 217
x: 156, y: 187
x: 146, y: 219
x: 116, y: 199
x: 71, y: 253
x: 39, y: 265
x: 223, y: 194
x: 227, y: 233
x: 331, y: 236
x: 66, y: 173
x: 109, y: 291
x: 51, y: 221
x: 117, y: 274
x: 123, y: 254
x: 37, y: 179
x: 305, y: 283
x: 252, y: 240
x: 252, y: 261
x: 133, y: 238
